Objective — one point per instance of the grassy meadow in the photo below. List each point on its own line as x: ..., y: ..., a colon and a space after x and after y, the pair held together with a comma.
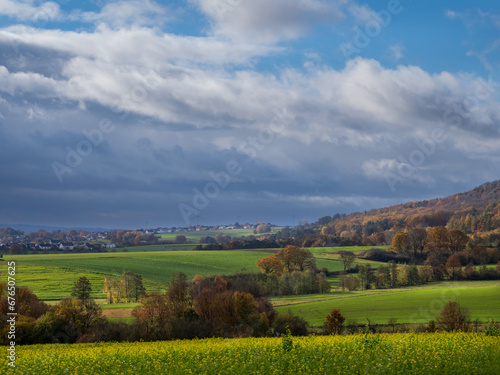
x: 51, y: 276
x: 410, y: 305
x: 438, y: 353
x: 195, y: 236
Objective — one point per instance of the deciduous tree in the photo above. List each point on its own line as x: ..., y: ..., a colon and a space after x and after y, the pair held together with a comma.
x: 400, y: 243
x: 82, y: 289
x: 438, y: 239
x: 347, y: 258
x: 334, y: 321
x: 296, y: 258
x: 458, y: 240
x: 270, y: 264
x: 416, y: 240
x: 454, y: 267
x: 453, y: 317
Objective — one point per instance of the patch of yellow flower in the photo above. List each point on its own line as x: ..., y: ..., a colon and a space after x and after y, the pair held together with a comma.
x: 436, y: 353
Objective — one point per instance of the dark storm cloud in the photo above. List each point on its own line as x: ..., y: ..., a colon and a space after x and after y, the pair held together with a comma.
x: 121, y: 125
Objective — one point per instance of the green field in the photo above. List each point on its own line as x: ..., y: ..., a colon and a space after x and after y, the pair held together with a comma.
x: 438, y: 353
x: 145, y: 248
x: 52, y: 276
x: 408, y: 305
x: 354, y: 249
x: 195, y: 236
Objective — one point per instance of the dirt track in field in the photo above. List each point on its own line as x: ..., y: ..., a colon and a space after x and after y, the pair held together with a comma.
x: 125, y: 313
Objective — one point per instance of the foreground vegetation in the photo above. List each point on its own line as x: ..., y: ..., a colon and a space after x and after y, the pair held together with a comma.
x: 438, y: 353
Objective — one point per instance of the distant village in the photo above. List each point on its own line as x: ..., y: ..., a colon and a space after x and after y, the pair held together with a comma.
x: 14, y: 241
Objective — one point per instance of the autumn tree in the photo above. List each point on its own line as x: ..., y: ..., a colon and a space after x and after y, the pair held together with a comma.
x: 347, y: 258
x: 334, y: 321
x: 270, y: 264
x: 416, y: 240
x: 454, y: 267
x: 453, y: 317
x: 296, y: 258
x: 108, y: 288
x: 27, y: 303
x: 438, y: 239
x: 77, y: 318
x: 400, y: 243
x: 154, y: 311
x: 480, y: 254
x: 457, y: 240
x: 132, y: 286
x: 82, y: 289
x: 262, y: 228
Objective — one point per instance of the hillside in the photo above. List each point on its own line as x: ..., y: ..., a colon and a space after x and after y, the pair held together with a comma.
x: 475, y: 211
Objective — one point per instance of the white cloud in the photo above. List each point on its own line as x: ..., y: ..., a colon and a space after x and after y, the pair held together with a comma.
x: 269, y: 20
x: 125, y: 13
x: 451, y: 14
x: 363, y: 13
x: 397, y: 51
x: 24, y: 10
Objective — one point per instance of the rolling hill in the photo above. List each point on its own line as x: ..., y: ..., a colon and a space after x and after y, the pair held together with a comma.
x: 474, y: 211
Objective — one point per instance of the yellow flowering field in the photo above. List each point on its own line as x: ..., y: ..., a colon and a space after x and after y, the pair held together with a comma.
x: 436, y: 353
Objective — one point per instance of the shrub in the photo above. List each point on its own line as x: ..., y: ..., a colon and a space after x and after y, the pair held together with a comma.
x: 296, y: 325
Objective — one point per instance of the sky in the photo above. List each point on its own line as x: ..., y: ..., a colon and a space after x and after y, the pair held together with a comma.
x: 122, y: 114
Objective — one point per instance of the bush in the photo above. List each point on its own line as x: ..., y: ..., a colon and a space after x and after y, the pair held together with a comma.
x: 381, y: 255
x: 297, y: 325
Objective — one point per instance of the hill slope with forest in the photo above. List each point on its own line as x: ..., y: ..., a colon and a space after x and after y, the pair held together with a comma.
x: 475, y: 212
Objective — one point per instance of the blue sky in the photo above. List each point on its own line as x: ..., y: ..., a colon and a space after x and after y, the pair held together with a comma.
x: 114, y: 113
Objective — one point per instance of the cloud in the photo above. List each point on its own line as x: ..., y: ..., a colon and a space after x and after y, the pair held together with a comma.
x: 118, y: 14
x: 397, y: 51
x: 24, y: 10
x: 451, y: 14
x: 182, y: 107
x: 269, y: 20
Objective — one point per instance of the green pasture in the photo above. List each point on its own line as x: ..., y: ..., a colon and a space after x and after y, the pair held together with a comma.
x: 117, y: 306
x: 145, y: 248
x: 354, y: 249
x: 413, y: 305
x: 51, y: 276
x: 195, y: 236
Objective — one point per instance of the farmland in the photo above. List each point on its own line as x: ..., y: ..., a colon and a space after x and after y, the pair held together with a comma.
x: 52, y: 276
x: 407, y: 305
x: 195, y: 236
x: 438, y: 353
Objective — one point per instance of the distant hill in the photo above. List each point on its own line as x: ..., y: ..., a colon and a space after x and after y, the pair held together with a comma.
x: 36, y: 228
x: 477, y: 210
